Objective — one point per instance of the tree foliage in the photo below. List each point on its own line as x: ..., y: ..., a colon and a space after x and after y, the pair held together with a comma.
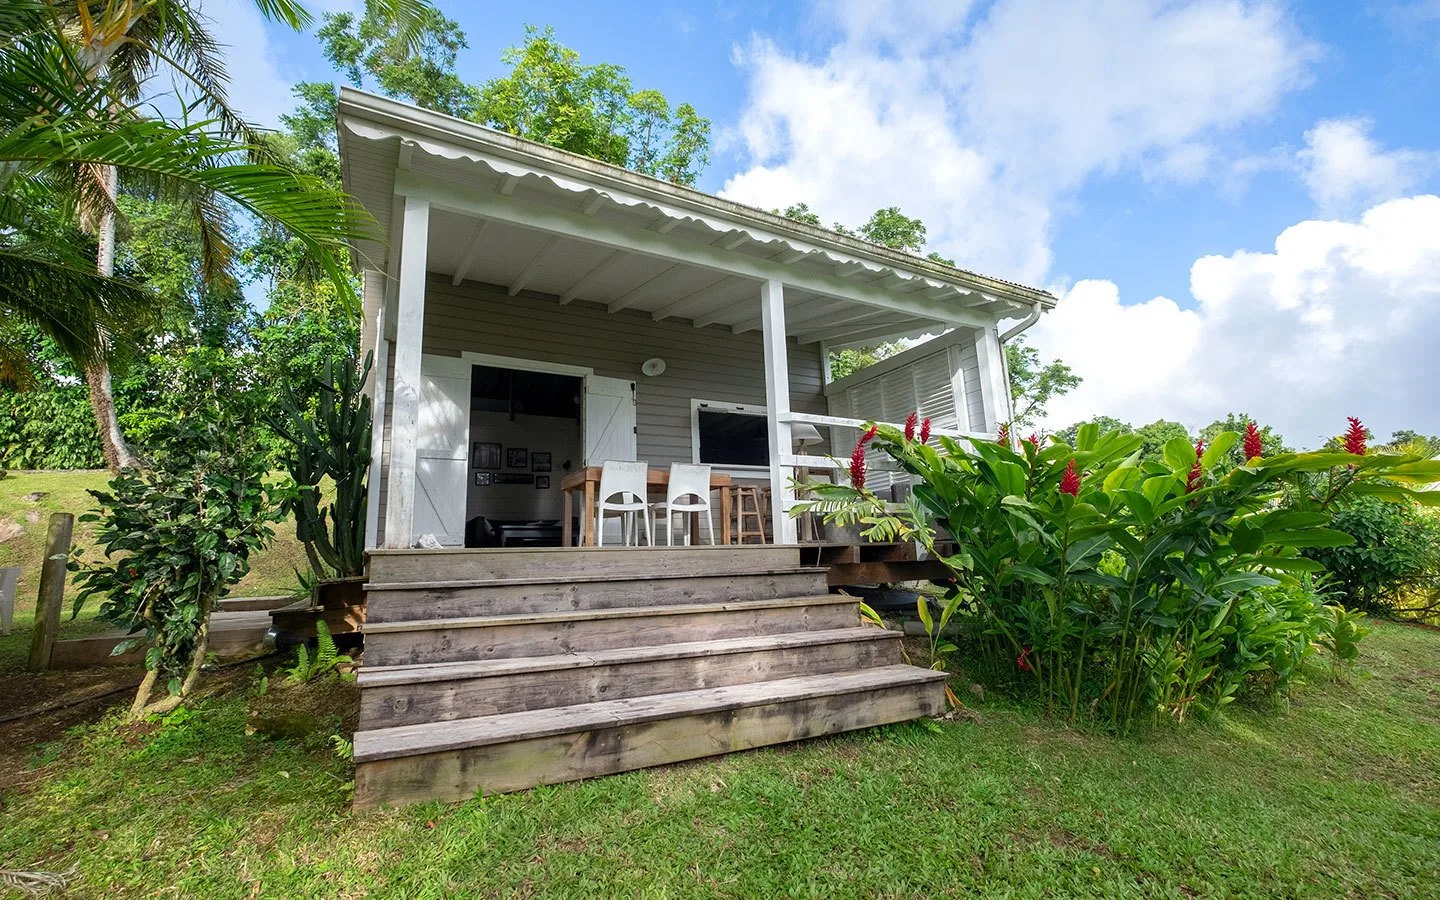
x: 1033, y: 383
x: 552, y: 97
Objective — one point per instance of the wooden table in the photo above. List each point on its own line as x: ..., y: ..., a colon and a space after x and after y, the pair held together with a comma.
x: 587, y: 481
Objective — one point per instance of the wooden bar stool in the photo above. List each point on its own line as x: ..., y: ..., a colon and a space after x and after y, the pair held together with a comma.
x: 749, y: 505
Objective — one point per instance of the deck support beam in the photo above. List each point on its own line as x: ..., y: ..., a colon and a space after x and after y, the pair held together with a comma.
x: 777, y: 409
x: 409, y: 346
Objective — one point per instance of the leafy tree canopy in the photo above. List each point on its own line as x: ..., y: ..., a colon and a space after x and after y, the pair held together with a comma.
x: 414, y: 61
x: 1034, y: 383
x: 552, y: 97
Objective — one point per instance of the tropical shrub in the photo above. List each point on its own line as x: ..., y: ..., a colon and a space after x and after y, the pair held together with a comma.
x: 1395, y: 549
x: 175, y: 536
x: 1123, y: 586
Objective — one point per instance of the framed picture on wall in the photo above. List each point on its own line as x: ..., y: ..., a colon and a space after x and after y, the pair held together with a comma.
x: 542, y: 482
x: 484, y: 455
x: 482, y: 479
x: 516, y: 457
x: 539, y: 462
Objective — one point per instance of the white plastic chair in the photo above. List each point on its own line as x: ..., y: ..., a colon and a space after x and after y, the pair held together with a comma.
x: 627, y: 481
x: 686, y: 481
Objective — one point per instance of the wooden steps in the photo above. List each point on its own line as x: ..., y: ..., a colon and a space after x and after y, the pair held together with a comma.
x: 494, y: 754
x: 512, y: 668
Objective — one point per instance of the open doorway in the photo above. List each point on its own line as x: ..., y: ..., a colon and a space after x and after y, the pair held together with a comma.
x: 526, y: 434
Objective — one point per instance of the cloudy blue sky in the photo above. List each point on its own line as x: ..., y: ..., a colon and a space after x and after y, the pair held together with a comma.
x: 1234, y: 198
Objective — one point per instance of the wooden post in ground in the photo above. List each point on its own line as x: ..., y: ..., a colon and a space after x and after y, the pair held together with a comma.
x: 8, y: 578
x: 52, y: 590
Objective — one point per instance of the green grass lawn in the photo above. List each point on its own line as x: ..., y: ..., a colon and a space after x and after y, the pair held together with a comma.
x: 1335, y: 794
x: 22, y: 543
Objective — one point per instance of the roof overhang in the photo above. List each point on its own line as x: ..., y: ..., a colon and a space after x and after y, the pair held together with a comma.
x: 546, y: 223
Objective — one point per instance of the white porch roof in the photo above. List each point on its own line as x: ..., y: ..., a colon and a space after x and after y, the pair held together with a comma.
x: 551, y: 224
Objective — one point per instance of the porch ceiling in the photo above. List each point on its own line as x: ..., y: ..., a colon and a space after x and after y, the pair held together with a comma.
x: 574, y: 230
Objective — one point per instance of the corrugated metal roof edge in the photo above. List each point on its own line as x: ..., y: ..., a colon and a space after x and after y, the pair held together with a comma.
x: 384, y: 110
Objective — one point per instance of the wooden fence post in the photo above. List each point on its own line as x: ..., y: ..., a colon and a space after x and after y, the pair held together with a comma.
x: 52, y: 590
x: 9, y: 576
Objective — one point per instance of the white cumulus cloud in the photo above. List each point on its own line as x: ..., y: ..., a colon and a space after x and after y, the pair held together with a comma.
x: 1341, y: 318
x: 983, y: 121
x: 1342, y: 165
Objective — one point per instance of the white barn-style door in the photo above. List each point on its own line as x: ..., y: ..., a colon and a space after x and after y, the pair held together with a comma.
x: 442, y: 449
x: 609, y: 419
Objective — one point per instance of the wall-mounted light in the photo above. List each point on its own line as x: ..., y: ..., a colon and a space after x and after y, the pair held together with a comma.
x: 653, y: 366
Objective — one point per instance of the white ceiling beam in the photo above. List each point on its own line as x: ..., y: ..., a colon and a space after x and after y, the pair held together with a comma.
x: 864, y: 317
x: 454, y: 197
x: 626, y: 299
x: 720, y: 313
x: 663, y: 225
x: 467, y: 259
x: 845, y: 335
x: 507, y: 184
x: 731, y: 239
x: 592, y: 206
x: 676, y: 306
x: 787, y: 257
x: 407, y: 154
x: 592, y: 276
x: 533, y: 265
x: 935, y: 293
x: 849, y: 269
x: 797, y: 314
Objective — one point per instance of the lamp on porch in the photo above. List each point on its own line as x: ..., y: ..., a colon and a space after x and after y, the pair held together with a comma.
x: 805, y: 436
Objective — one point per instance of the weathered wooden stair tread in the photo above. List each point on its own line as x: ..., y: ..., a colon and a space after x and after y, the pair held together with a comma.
x: 385, y: 676
x: 442, y: 737
x: 579, y: 578
x: 624, y: 612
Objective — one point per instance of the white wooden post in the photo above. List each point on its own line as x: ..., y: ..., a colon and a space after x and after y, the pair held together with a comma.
x: 994, y: 389
x: 405, y: 398
x: 777, y: 408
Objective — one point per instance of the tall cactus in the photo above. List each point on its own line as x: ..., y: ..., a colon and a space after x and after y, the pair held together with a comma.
x: 334, y: 441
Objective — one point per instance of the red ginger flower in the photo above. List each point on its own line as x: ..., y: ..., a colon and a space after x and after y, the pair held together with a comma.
x: 910, y: 423
x: 1070, y: 481
x: 1033, y: 440
x: 925, y: 432
x: 1355, y: 437
x: 1023, y: 661
x: 857, y: 459
x: 1254, y: 448
x: 1003, y: 437
x: 1197, y: 471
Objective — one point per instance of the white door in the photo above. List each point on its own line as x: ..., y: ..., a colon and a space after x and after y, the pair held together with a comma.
x: 441, y: 455
x: 609, y: 419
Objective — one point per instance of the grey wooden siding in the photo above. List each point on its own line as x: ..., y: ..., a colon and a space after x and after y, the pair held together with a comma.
x: 701, y: 363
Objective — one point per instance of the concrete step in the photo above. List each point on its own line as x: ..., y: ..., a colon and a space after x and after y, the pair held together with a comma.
x: 599, y: 589
x: 560, y: 563
x: 494, y: 754
x: 427, y: 641
x: 411, y: 695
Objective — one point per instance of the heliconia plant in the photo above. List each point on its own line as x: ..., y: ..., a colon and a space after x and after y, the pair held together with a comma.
x: 1129, y: 585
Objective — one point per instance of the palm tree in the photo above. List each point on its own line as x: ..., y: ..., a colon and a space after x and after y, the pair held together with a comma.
x: 110, y: 49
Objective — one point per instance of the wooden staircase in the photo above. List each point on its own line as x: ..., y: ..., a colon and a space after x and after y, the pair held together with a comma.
x: 497, y: 670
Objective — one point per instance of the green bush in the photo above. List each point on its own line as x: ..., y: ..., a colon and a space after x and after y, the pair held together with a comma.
x: 48, y: 429
x: 1395, y: 547
x: 175, y: 536
x: 1122, y: 585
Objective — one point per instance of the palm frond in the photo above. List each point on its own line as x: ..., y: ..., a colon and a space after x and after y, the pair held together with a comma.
x: 70, y: 302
